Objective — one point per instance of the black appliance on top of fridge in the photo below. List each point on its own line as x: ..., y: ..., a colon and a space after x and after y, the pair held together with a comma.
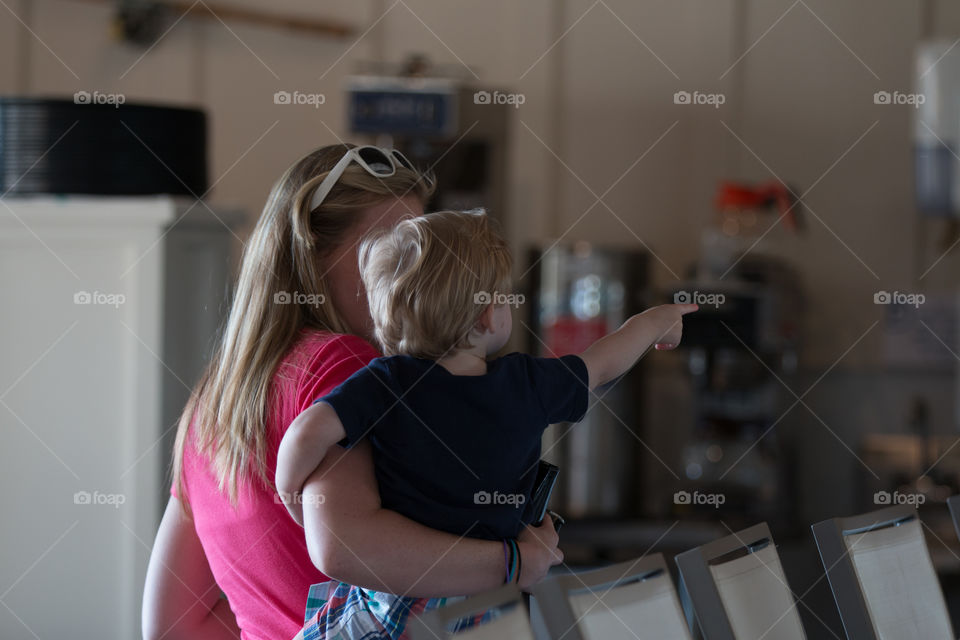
x: 741, y: 352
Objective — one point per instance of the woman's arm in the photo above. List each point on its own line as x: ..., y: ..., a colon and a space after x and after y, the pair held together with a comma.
x: 181, y: 600
x: 351, y: 538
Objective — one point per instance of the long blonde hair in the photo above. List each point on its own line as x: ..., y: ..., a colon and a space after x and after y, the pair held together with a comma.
x: 227, y: 410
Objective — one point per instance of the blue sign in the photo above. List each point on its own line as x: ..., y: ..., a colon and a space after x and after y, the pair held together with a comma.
x: 403, y: 112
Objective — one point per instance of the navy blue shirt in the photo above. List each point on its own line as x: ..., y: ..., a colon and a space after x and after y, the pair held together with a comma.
x: 459, y: 453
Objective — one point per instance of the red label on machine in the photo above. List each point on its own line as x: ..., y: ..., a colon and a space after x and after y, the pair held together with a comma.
x: 568, y: 334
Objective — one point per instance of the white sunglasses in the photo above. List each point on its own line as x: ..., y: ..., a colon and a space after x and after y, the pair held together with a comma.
x: 376, y: 161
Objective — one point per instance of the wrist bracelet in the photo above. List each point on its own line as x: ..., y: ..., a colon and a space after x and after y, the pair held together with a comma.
x: 506, y: 562
x: 519, y: 563
x: 512, y: 552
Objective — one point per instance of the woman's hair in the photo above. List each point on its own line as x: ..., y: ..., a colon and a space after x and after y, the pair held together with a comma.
x: 282, y: 262
x: 429, y: 278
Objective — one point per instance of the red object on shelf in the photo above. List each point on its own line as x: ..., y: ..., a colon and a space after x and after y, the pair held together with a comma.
x: 569, y: 334
x: 737, y: 196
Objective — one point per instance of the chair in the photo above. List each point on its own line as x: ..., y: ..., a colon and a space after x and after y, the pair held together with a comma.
x: 512, y: 621
x: 737, y: 588
x: 881, y: 575
x: 953, y: 502
x: 630, y: 600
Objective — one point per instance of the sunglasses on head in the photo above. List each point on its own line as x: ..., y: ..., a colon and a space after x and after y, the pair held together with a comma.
x: 376, y: 161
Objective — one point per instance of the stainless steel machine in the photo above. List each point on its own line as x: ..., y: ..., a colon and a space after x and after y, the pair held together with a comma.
x: 578, y: 294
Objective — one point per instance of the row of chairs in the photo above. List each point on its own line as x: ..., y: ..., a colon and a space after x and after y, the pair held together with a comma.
x: 877, y: 565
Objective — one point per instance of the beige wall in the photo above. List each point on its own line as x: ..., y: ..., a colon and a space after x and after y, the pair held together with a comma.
x: 600, y: 98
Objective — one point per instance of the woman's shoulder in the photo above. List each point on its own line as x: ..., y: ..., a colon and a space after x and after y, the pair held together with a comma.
x: 320, y: 360
x: 315, y: 351
x: 313, y: 342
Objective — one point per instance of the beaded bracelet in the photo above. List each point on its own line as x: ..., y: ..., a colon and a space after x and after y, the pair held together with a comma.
x: 519, y: 561
x: 513, y: 561
x: 506, y: 561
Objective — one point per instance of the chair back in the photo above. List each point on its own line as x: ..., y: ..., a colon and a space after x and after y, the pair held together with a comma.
x: 881, y: 575
x: 629, y: 600
x: 508, y: 618
x: 737, y: 588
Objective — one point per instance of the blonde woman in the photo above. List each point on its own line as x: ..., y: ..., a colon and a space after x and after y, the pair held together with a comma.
x: 298, y: 327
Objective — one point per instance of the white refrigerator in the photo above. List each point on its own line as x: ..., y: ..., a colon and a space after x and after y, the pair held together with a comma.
x: 108, y: 306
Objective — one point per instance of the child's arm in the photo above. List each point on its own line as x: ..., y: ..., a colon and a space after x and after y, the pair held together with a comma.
x: 614, y: 354
x: 303, y: 447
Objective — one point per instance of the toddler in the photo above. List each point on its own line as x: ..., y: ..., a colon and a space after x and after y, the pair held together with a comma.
x: 455, y: 436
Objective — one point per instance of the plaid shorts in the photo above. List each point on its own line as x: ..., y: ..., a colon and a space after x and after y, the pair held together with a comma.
x: 339, y: 611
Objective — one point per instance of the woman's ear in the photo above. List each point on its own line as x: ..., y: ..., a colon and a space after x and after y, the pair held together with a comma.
x: 484, y: 323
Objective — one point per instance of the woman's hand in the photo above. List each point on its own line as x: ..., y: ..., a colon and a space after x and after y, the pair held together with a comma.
x: 538, y: 552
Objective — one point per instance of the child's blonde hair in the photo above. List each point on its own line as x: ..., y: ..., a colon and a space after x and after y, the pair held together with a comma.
x: 429, y: 278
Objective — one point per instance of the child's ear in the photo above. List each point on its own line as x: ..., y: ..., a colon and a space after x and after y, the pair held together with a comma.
x: 485, y: 321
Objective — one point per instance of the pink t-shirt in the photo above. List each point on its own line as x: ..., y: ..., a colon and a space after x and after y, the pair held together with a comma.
x: 257, y: 553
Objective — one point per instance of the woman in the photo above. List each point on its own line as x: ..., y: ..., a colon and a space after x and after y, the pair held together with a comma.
x: 298, y: 327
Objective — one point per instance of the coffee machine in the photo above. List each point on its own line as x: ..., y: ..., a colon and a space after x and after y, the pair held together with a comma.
x: 738, y: 348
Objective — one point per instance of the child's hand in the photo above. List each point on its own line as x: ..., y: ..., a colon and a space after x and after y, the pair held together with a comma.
x: 668, y: 319
x: 612, y: 355
x: 301, y: 450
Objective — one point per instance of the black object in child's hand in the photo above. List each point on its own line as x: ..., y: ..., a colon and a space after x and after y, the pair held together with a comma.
x: 558, y: 520
x: 542, y: 489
